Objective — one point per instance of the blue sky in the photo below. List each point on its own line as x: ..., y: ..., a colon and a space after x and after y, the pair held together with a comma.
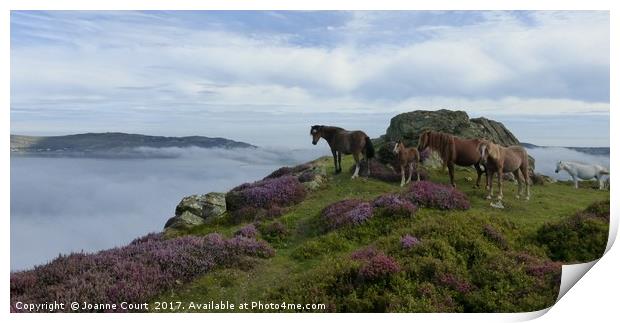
x: 263, y: 77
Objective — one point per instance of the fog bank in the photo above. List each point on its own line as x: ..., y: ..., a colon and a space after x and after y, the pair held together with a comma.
x: 59, y: 205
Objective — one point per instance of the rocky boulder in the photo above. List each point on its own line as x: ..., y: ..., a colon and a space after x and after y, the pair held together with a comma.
x: 205, y: 206
x: 409, y: 125
x: 197, y: 209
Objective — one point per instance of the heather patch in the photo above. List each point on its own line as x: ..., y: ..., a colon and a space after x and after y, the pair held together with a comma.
x: 408, y: 241
x: 133, y: 273
x: 395, y: 205
x: 248, y: 231
x: 346, y: 213
x: 245, y: 202
x: 379, y: 266
x: 375, y: 263
x: 440, y: 196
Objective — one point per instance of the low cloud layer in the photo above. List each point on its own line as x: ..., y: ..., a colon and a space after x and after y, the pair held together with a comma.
x: 60, y: 205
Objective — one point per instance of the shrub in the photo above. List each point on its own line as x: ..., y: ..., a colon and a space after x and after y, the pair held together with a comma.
x: 248, y: 231
x: 133, y: 273
x: 599, y: 209
x: 384, y: 173
x: 579, y: 238
x: 282, y: 171
x: 246, y: 213
x: 495, y: 236
x: 266, y: 194
x: 408, y: 241
x: 540, y: 268
x: 365, y: 253
x: 307, y: 176
x: 346, y: 213
x: 395, y: 205
x: 379, y: 266
x: 274, y: 231
x: 429, y: 194
x: 375, y: 263
x: 274, y: 212
x: 454, y: 282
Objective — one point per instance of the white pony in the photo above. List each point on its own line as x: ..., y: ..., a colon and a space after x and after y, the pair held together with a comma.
x: 583, y: 171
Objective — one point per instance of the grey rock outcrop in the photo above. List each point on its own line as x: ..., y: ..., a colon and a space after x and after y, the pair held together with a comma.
x: 409, y: 125
x: 197, y: 209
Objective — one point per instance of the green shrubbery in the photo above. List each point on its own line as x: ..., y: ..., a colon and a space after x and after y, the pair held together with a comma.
x: 579, y: 238
x: 457, y: 265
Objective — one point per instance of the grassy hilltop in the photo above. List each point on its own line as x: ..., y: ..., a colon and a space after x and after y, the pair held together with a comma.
x: 476, y: 260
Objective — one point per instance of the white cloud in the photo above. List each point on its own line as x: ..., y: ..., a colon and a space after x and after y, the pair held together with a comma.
x: 556, y: 63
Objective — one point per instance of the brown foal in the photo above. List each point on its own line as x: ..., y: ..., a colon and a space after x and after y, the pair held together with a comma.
x: 407, y: 157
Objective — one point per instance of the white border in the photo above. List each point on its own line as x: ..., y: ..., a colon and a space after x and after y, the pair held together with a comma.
x: 593, y: 297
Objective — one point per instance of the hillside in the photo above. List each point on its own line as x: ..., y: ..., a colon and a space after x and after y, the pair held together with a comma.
x: 112, y: 141
x: 463, y: 254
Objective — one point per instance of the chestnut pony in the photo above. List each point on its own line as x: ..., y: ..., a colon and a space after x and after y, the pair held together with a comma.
x: 453, y: 151
x: 407, y: 157
x: 346, y: 142
x: 499, y: 160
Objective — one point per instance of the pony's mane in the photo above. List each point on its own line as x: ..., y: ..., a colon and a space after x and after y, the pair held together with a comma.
x: 443, y: 143
x: 493, y: 148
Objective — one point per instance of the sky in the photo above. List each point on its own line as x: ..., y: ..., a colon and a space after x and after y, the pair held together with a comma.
x: 265, y: 77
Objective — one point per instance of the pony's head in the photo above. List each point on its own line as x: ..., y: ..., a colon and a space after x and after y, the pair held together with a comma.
x: 398, y: 147
x: 316, y: 132
x: 559, y: 166
x: 424, y: 140
x: 488, y: 149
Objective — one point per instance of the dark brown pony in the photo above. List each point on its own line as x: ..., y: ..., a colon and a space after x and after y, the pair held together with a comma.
x: 406, y: 157
x: 499, y: 159
x: 453, y: 151
x: 346, y: 142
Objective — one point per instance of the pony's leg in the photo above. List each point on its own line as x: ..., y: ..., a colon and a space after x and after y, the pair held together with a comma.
x: 417, y: 172
x: 479, y: 171
x: 451, y: 173
x: 335, y: 154
x: 357, y: 165
x: 402, y: 175
x: 575, y: 181
x: 519, y: 180
x: 490, y: 185
x: 526, y: 178
x: 410, y: 172
x: 339, y: 162
x: 500, y: 183
x: 600, y: 181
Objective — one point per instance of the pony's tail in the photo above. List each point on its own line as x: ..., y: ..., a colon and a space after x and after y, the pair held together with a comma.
x: 370, y: 149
